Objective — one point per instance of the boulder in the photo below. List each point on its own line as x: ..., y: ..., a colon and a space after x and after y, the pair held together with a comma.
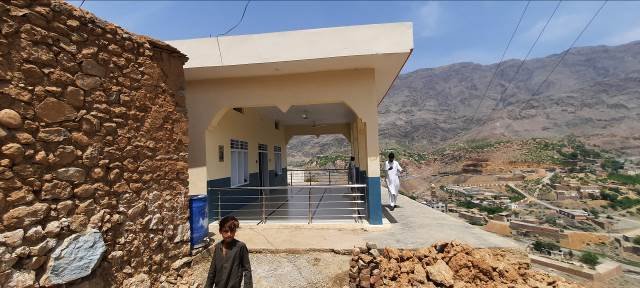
x: 32, y: 75
x: 43, y: 247
x: 91, y: 67
x: 138, y: 281
x: 53, y: 134
x: 53, y: 228
x: 74, y: 97
x: 25, y: 215
x: 56, y: 190
x: 10, y: 119
x: 77, y: 256
x: 440, y: 273
x: 12, y: 238
x: 13, y: 151
x: 22, y: 278
x: 87, y: 82
x: 7, y: 259
x: 52, y: 110
x: 34, y: 234
x: 72, y: 174
x: 84, y: 191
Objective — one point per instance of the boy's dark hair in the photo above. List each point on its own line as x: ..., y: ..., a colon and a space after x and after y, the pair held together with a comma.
x: 352, y: 158
x: 391, y: 156
x: 229, y: 222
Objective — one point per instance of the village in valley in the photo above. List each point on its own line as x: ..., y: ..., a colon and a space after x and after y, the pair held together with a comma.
x: 564, y: 200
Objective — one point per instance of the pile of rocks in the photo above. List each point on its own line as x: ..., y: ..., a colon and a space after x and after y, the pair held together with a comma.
x: 93, y: 153
x: 446, y: 264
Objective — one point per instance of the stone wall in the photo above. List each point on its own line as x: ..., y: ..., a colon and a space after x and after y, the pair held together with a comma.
x: 446, y: 264
x: 93, y: 160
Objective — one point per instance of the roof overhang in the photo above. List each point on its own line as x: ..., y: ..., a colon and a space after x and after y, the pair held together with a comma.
x: 382, y: 47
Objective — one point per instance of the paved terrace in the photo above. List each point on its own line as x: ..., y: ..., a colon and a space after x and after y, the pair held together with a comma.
x: 416, y: 225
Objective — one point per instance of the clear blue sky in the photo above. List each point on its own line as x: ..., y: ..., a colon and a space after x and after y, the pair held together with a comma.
x: 444, y: 32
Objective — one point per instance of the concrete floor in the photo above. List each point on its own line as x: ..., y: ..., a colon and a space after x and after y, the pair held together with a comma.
x: 417, y: 226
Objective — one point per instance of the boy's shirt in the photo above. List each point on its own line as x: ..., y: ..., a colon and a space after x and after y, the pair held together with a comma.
x: 229, y: 271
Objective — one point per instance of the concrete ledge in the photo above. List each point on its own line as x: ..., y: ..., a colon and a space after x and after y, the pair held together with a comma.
x: 602, y: 272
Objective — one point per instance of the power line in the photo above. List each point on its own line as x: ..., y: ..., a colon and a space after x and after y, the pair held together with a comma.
x: 527, y: 56
x: 513, y: 34
x: 239, y: 21
x: 244, y: 11
x: 570, y: 47
x: 81, y: 4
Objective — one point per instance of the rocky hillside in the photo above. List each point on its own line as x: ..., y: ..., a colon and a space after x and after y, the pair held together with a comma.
x: 594, y: 94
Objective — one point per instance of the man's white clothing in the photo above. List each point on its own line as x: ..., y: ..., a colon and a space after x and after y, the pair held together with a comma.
x: 393, y: 182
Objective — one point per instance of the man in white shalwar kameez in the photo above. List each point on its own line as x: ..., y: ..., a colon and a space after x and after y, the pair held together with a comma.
x: 393, y: 182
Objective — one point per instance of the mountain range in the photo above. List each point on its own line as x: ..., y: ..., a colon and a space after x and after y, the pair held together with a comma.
x: 593, y: 94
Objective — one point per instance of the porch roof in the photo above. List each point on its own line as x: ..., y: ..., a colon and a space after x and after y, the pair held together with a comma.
x: 382, y: 47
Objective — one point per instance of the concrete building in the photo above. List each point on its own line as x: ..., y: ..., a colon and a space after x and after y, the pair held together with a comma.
x: 574, y: 214
x: 248, y: 95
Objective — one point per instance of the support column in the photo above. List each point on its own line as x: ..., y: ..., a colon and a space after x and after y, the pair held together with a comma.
x: 374, y: 198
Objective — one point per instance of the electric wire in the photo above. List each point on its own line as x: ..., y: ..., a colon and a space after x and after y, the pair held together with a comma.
x: 244, y: 11
x: 500, y: 99
x: 504, y: 53
x: 564, y: 54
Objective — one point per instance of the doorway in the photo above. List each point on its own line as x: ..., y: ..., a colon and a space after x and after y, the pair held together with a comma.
x: 263, y: 164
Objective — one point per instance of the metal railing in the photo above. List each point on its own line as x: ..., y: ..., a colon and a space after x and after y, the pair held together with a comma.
x: 306, y: 203
x: 309, y: 177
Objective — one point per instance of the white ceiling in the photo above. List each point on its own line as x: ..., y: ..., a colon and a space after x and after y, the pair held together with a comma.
x: 333, y: 113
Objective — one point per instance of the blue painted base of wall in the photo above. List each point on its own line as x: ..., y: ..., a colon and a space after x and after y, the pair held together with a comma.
x: 374, y: 201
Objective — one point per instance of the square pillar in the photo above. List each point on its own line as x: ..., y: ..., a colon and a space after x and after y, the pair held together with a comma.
x: 374, y: 197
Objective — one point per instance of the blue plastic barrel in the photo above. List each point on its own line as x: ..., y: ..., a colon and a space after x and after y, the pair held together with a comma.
x: 198, y: 220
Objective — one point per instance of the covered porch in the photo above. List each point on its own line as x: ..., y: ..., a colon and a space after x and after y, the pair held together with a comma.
x: 248, y: 95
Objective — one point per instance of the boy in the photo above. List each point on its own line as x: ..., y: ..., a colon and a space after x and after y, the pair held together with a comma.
x: 230, y: 262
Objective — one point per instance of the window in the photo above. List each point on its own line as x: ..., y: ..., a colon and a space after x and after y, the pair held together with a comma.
x: 220, y: 153
x: 277, y: 125
x: 239, y: 162
x: 277, y: 154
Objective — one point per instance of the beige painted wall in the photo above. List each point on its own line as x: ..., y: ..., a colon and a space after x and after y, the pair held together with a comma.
x: 208, y: 101
x: 249, y: 126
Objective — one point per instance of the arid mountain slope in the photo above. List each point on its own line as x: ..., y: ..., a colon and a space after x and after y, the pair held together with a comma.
x: 594, y: 94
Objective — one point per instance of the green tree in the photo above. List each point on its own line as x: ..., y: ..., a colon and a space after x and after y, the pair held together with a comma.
x: 541, y: 246
x: 589, y: 258
x: 636, y: 240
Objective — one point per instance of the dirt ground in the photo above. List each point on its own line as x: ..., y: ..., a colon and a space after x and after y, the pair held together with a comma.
x: 312, y: 269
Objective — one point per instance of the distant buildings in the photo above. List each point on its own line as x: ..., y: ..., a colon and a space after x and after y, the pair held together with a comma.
x: 574, y: 214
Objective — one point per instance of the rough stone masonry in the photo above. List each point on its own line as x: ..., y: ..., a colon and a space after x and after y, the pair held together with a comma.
x: 93, y: 159
x: 446, y: 264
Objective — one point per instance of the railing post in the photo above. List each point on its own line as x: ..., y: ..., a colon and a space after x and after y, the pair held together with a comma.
x: 309, y: 210
x: 329, y: 177
x: 219, y: 206
x: 264, y: 218
x: 291, y: 177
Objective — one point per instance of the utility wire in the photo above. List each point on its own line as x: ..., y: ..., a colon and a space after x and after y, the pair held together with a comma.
x: 81, y: 4
x: 513, y: 34
x: 527, y: 56
x: 244, y: 11
x: 570, y: 47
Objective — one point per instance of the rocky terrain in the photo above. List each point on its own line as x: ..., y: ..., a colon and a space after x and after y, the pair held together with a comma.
x: 594, y: 94
x: 446, y: 264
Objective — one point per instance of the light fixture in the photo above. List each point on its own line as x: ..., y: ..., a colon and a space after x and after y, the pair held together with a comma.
x: 305, y: 114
